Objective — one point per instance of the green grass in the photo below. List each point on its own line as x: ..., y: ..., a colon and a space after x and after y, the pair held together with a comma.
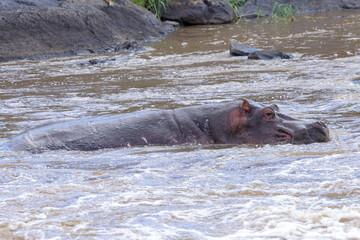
x: 153, y: 6
x: 236, y: 4
x: 259, y: 12
x: 283, y: 11
x: 280, y: 11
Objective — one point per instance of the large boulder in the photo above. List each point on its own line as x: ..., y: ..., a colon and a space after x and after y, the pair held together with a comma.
x: 37, y: 27
x: 194, y: 12
x: 252, y: 8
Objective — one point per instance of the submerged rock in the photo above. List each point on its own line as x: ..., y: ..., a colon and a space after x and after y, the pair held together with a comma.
x: 96, y: 61
x: 269, y: 55
x: 240, y: 49
x: 194, y: 12
x: 60, y: 27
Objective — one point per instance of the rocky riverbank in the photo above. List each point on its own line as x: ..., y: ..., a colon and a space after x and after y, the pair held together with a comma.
x: 45, y: 28
x: 253, y: 8
x: 38, y: 28
x: 191, y: 12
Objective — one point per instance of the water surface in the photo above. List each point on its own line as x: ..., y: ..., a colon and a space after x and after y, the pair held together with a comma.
x: 190, y: 192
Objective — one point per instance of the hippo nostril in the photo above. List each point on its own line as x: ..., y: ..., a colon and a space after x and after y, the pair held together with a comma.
x: 284, y: 136
x: 319, y: 132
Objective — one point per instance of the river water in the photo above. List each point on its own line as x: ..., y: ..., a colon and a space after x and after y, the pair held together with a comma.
x: 190, y: 192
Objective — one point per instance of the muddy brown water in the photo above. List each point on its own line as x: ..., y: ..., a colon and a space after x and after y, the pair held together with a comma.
x: 191, y: 192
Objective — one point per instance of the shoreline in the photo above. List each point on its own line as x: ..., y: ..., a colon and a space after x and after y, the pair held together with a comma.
x: 43, y: 29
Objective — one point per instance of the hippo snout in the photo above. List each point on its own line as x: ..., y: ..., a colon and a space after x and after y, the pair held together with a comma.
x: 318, y: 132
x: 311, y: 133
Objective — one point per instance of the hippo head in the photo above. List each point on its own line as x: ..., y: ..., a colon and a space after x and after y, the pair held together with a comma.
x: 259, y: 124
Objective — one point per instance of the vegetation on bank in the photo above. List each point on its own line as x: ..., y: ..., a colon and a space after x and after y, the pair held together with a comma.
x: 153, y: 6
x: 280, y: 11
x: 236, y: 4
x: 283, y: 11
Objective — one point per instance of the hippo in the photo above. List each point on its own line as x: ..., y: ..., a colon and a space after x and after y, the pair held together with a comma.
x: 239, y: 122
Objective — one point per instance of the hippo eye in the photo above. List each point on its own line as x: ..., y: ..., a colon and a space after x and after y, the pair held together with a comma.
x: 269, y: 114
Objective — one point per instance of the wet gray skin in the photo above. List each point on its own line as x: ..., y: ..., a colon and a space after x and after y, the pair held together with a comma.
x: 260, y: 124
x: 228, y: 123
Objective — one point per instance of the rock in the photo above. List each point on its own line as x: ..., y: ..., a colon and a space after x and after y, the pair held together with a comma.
x: 96, y: 61
x: 194, y: 12
x: 350, y: 4
x: 172, y: 23
x: 269, y: 55
x: 240, y: 49
x: 127, y: 46
x: 60, y: 27
x: 287, y: 56
x: 264, y: 7
x: 110, y: 2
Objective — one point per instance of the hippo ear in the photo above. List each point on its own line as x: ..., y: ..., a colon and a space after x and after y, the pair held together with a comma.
x: 237, y: 116
x: 246, y: 106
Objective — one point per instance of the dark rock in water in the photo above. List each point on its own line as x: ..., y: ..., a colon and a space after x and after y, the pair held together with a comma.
x: 100, y: 61
x: 128, y: 46
x: 240, y: 49
x: 269, y: 55
x: 122, y: 47
x: 60, y: 27
x: 287, y: 56
x: 97, y: 61
x: 194, y: 12
x: 265, y: 7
